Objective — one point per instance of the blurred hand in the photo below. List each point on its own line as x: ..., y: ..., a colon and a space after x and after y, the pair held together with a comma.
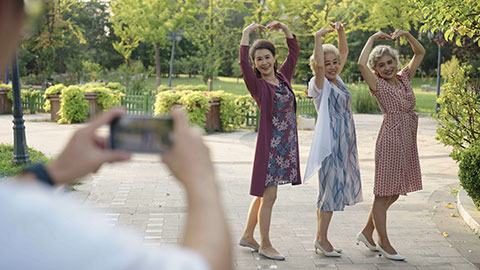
x: 276, y: 25
x: 338, y: 25
x: 380, y: 35
x: 398, y: 33
x: 253, y: 28
x: 189, y: 159
x: 85, y: 152
x: 322, y: 32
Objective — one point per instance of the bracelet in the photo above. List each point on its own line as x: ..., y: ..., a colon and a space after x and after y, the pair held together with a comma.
x: 41, y: 173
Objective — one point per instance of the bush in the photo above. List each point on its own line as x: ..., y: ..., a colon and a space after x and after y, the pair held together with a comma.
x: 362, y: 100
x: 9, y: 87
x: 300, y: 94
x: 244, y: 104
x: 196, y: 104
x: 459, y: 111
x: 8, y: 168
x: 52, y: 90
x: 74, y: 106
x: 106, y: 97
x: 229, y: 114
x: 448, y: 68
x: 116, y: 86
x: 165, y: 101
x: 469, y: 173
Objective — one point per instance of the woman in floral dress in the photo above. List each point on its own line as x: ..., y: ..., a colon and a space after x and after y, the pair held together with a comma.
x: 276, y: 156
x: 397, y: 168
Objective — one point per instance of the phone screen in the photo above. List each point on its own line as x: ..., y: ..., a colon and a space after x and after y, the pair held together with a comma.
x: 140, y: 134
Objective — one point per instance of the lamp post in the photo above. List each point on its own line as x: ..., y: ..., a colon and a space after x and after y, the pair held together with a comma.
x: 438, y: 38
x: 172, y: 36
x: 20, y: 150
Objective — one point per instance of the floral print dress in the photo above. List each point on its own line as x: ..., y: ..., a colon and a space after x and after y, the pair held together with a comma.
x: 283, y: 162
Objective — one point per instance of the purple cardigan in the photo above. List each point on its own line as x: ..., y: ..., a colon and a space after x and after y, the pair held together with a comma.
x: 263, y: 93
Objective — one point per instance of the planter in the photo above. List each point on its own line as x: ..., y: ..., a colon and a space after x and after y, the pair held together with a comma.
x: 54, y: 107
x: 213, y: 122
x: 5, y: 103
x: 95, y: 109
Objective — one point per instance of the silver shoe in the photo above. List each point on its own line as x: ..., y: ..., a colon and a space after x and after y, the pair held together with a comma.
x: 277, y: 257
x: 244, y: 243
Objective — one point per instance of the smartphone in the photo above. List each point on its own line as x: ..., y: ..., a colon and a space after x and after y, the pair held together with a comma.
x: 141, y: 134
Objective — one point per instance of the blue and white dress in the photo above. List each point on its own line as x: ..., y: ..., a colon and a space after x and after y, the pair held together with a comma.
x: 333, y: 153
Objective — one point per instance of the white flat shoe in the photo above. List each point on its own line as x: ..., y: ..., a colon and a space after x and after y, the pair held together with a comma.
x: 361, y: 238
x: 277, y: 257
x: 244, y: 243
x: 333, y: 253
x: 395, y: 257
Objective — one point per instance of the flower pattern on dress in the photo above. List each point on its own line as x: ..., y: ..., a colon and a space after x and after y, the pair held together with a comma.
x: 282, y: 162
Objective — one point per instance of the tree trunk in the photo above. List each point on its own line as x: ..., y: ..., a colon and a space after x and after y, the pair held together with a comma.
x: 157, y: 63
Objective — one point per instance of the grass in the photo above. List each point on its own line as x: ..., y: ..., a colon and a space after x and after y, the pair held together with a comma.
x: 8, y: 168
x: 425, y: 100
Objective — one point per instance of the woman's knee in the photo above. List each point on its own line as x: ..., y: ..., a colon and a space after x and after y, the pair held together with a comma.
x: 269, y: 195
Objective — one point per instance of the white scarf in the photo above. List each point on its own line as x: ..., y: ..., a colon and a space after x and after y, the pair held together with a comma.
x: 321, y: 144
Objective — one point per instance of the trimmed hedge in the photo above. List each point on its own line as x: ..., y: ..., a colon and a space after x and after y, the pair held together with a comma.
x: 469, y: 173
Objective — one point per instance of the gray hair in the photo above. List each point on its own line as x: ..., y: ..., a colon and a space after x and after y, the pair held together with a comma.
x: 327, y: 48
x: 380, y: 51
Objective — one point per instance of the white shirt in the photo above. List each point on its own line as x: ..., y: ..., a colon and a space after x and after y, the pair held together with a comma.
x: 43, y: 230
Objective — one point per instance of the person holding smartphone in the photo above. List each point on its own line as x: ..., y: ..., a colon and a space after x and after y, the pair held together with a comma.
x: 44, y: 230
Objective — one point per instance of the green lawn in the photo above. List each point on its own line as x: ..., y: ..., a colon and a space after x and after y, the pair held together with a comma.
x: 425, y: 100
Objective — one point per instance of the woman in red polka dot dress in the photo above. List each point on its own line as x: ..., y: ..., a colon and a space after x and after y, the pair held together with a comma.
x: 397, y: 168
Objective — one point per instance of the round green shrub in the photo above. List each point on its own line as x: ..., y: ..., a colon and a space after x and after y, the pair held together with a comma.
x: 52, y: 90
x: 244, y: 104
x: 106, y: 97
x: 116, y: 86
x: 196, y: 104
x: 73, y: 106
x: 8, y: 168
x: 9, y: 87
x: 164, y: 102
x: 469, y: 173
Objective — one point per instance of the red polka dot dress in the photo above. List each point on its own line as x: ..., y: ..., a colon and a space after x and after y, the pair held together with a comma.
x: 397, y: 167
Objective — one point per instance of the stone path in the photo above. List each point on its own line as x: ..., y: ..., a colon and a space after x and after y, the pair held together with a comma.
x: 143, y: 195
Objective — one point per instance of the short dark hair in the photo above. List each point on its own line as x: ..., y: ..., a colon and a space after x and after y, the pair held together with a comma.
x: 262, y: 44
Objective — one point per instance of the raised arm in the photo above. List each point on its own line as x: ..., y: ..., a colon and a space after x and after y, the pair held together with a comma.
x: 249, y: 29
x: 342, y: 43
x: 249, y: 76
x: 318, y: 57
x: 367, y: 74
x: 418, y: 50
x: 288, y: 66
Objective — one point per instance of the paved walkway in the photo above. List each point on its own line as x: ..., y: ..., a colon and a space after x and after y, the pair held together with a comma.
x: 142, y: 194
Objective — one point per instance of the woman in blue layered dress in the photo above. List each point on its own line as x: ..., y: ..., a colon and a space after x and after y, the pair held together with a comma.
x: 333, y: 153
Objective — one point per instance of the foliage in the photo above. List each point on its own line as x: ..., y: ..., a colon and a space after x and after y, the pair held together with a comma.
x: 133, y: 76
x: 52, y: 90
x: 8, y: 168
x: 459, y: 113
x: 9, y: 87
x: 449, y: 68
x: 197, y: 105
x: 74, y: 106
x: 456, y: 19
x: 245, y: 104
x: 300, y: 94
x: 93, y: 69
x: 362, y: 101
x: 469, y: 172
x: 106, y: 97
x: 165, y: 101
x: 229, y: 116
x: 116, y: 86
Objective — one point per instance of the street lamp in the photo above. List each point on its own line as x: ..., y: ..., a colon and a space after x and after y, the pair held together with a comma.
x: 438, y: 38
x: 172, y: 36
x: 20, y: 150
